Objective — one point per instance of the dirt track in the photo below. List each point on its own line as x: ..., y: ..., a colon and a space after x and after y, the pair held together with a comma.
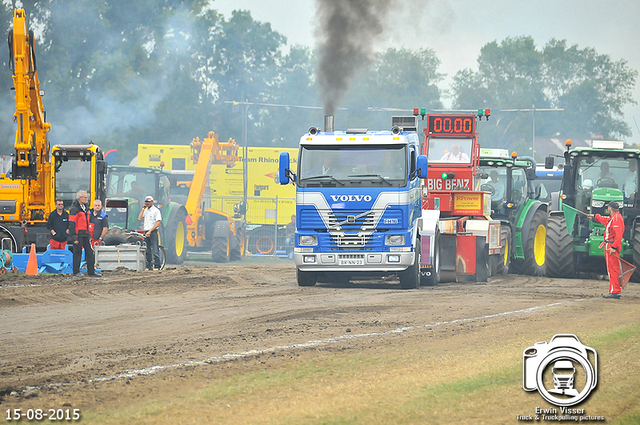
x: 68, y: 340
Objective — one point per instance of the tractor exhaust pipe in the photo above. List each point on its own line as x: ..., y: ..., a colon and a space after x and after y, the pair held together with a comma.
x: 328, y: 124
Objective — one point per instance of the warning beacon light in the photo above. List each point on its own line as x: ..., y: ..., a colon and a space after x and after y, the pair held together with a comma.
x: 484, y: 113
x: 421, y: 111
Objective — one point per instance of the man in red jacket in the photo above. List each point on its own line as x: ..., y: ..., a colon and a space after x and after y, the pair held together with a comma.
x: 79, y: 234
x: 613, y: 231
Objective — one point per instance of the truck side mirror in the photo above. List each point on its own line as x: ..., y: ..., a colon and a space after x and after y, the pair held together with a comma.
x: 283, y: 175
x: 548, y: 163
x: 422, y: 166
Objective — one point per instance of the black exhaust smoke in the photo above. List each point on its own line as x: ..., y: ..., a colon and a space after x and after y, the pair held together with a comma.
x: 348, y: 33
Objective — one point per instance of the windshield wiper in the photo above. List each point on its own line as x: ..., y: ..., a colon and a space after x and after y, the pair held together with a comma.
x: 323, y: 176
x: 372, y: 175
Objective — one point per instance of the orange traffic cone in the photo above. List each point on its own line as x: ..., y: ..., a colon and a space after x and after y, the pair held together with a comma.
x: 32, y: 265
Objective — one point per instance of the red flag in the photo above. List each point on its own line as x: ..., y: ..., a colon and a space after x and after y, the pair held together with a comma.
x: 626, y: 270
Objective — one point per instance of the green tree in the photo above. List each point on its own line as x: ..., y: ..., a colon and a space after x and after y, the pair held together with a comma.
x: 110, y: 68
x: 244, y: 65
x: 590, y: 87
x: 294, y: 87
x: 509, y: 76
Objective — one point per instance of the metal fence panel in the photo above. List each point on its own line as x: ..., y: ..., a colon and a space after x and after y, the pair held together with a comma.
x: 266, y: 221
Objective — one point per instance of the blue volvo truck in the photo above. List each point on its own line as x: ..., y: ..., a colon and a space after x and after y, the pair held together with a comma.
x: 358, y: 203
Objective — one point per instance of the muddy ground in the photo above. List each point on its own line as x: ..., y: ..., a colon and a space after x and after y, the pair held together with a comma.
x: 83, y: 342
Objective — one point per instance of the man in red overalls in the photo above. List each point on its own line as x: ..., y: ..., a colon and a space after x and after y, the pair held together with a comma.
x: 613, y: 231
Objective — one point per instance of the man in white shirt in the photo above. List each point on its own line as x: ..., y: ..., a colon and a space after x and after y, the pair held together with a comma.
x: 455, y: 154
x: 497, y: 185
x: 631, y: 180
x: 151, y: 219
x: 605, y: 174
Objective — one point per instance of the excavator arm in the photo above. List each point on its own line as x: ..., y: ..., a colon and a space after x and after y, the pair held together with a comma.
x: 32, y: 147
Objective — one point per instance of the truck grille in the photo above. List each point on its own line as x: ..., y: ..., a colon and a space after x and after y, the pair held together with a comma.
x: 350, y: 256
x: 351, y: 220
x: 354, y: 242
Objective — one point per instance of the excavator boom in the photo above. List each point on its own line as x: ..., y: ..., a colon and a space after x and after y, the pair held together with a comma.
x: 32, y: 148
x: 39, y: 173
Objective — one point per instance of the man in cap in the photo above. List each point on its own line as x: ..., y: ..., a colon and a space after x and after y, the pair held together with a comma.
x: 79, y: 234
x: 151, y: 219
x: 613, y: 231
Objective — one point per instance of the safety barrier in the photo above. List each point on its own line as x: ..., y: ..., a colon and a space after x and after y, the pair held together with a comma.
x: 267, y: 219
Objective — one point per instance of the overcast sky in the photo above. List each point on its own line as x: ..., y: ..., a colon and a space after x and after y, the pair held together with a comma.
x: 457, y: 29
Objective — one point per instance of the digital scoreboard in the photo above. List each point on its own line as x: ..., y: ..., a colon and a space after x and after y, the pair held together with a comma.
x: 451, y: 125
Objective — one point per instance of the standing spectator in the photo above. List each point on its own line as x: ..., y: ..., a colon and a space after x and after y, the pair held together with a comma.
x: 613, y: 231
x: 58, y: 226
x: 152, y: 218
x: 290, y: 232
x: 79, y: 234
x: 99, y: 219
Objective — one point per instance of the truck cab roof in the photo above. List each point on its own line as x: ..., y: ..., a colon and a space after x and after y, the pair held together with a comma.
x: 355, y: 138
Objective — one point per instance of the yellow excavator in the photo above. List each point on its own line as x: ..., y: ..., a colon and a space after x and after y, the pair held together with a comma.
x: 208, y: 228
x: 39, y: 173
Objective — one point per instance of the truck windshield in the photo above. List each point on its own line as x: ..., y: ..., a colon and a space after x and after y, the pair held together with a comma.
x: 73, y: 175
x: 449, y: 150
x: 362, y: 166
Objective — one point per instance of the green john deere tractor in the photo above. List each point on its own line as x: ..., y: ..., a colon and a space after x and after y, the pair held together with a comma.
x: 593, y: 177
x: 127, y: 187
x: 514, y: 201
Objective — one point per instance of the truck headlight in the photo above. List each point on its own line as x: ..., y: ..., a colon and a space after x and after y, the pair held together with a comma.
x: 307, y: 240
x: 597, y: 204
x: 394, y: 240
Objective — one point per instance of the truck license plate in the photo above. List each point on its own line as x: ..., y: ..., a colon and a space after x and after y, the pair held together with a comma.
x: 351, y: 262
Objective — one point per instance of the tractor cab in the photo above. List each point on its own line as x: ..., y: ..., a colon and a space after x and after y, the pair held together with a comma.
x: 508, y: 179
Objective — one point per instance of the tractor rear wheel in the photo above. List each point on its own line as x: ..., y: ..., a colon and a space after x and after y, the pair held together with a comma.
x: 559, y: 249
x: 635, y: 276
x: 176, y: 239
x: 534, y: 263
x: 504, y: 262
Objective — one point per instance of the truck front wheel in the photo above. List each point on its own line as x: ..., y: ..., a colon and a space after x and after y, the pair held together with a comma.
x: 410, y: 278
x: 306, y: 278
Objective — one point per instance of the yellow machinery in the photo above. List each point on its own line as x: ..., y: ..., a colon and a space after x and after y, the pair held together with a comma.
x: 28, y: 194
x: 208, y: 228
x: 269, y: 205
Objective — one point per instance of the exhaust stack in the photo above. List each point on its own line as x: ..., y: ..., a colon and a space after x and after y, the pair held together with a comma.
x: 328, y: 124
